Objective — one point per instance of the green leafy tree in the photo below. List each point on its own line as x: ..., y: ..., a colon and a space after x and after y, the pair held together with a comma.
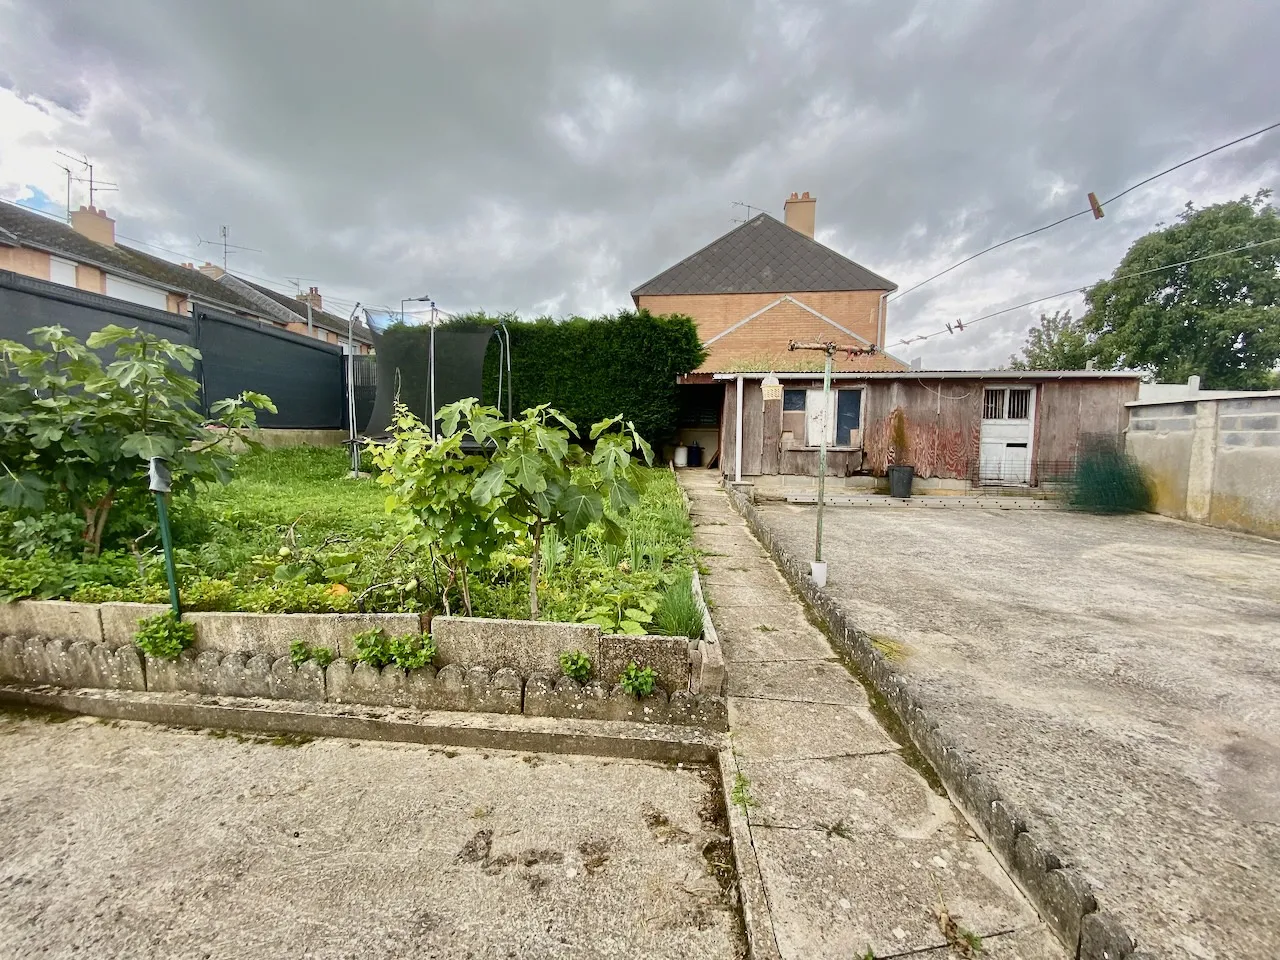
x: 544, y: 481
x: 1217, y: 318
x: 1059, y: 342
x: 485, y: 480
x: 430, y: 483
x: 76, y: 429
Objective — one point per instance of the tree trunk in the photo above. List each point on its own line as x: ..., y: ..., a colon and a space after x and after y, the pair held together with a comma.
x: 535, y: 562
x: 466, y: 587
x: 95, y: 523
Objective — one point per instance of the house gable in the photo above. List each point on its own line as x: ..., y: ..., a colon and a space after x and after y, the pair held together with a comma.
x: 758, y: 342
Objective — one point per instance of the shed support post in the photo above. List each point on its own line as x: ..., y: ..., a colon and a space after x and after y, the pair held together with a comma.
x: 737, y: 442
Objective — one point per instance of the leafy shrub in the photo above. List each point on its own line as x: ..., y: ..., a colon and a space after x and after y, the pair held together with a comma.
x: 164, y: 636
x: 58, y: 532
x: 1108, y: 480
x: 408, y: 651
x: 413, y: 651
x: 678, y: 613
x: 638, y: 681
x: 76, y: 428
x: 576, y: 665
x: 300, y: 652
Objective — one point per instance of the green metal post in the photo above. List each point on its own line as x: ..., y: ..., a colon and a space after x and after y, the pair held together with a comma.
x: 166, y: 538
x: 822, y: 451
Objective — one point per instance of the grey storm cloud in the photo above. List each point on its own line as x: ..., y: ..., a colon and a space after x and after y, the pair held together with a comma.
x: 551, y: 156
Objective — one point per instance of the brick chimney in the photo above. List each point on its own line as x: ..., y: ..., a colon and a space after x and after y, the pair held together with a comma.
x: 94, y: 224
x: 312, y: 295
x: 798, y: 212
x: 211, y: 270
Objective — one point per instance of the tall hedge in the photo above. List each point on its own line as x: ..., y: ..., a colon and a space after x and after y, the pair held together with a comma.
x: 592, y: 368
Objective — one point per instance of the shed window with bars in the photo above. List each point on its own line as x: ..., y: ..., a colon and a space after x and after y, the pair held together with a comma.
x: 1006, y: 403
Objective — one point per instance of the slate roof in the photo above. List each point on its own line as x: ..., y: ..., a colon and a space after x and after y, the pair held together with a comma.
x: 319, y: 318
x: 763, y: 255
x: 33, y: 229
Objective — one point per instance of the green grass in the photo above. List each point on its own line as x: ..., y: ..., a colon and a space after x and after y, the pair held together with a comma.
x: 292, y: 533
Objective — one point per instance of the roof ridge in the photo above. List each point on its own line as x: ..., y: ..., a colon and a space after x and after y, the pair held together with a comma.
x: 763, y: 255
x: 706, y: 247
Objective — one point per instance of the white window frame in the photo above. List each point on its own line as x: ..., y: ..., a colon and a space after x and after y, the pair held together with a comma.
x: 144, y: 294
x: 813, y: 402
x: 57, y: 264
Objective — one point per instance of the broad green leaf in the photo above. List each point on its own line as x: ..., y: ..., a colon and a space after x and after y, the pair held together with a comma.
x: 580, y: 508
x: 489, y: 485
x: 148, y: 445
x: 110, y: 334
x: 602, y: 426
x: 622, y: 495
x: 22, y: 491
x: 630, y: 627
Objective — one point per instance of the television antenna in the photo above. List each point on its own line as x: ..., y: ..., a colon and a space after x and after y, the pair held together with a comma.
x: 94, y: 185
x: 224, y: 234
x: 748, y: 207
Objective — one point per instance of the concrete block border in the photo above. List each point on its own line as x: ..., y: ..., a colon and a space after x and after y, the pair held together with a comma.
x: 247, y: 674
x: 526, y: 646
x: 1060, y: 893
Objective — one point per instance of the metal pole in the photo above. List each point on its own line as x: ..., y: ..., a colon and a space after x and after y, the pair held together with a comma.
x: 737, y: 437
x: 822, y: 453
x: 166, y: 540
x: 351, y: 394
x: 433, y: 379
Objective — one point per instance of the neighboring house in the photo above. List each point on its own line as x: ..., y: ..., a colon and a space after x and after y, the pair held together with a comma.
x: 755, y: 289
x: 293, y: 312
x: 85, y: 254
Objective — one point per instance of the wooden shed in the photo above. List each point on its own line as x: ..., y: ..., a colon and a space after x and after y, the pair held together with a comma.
x: 980, y: 426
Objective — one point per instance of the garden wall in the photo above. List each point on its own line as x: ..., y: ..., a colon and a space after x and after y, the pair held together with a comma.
x: 497, y: 666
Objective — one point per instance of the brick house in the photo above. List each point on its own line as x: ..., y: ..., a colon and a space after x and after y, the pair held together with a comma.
x: 755, y: 289
x: 766, y: 283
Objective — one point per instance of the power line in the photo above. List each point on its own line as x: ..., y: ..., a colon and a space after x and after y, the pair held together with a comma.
x: 1087, y: 210
x: 964, y: 325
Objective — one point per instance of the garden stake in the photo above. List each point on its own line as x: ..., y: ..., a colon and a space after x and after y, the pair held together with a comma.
x: 160, y: 481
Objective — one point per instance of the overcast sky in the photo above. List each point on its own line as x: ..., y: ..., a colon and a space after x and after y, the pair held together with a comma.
x: 549, y: 157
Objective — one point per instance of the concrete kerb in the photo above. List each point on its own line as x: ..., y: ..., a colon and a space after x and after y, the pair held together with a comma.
x: 757, y: 915
x: 1063, y: 897
x: 666, y: 744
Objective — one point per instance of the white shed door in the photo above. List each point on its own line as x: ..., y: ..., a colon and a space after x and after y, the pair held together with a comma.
x: 1008, y: 416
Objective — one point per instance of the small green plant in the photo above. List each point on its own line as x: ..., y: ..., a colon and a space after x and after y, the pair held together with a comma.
x: 413, y: 651
x: 679, y: 614
x: 300, y: 652
x: 638, y: 681
x: 164, y: 636
x: 410, y: 651
x: 741, y: 793
x: 576, y: 665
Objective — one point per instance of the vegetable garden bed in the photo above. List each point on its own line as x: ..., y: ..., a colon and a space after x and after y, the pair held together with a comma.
x: 291, y: 534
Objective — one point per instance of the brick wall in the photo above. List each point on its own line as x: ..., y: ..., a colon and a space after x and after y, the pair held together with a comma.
x: 761, y: 344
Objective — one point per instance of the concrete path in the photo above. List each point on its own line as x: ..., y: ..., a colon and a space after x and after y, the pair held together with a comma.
x: 859, y: 855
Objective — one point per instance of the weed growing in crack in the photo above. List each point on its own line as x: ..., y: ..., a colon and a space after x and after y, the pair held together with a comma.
x: 741, y: 793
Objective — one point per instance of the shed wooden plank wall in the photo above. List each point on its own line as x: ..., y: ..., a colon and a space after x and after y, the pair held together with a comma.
x: 1068, y: 409
x: 943, y: 419
x: 944, y: 422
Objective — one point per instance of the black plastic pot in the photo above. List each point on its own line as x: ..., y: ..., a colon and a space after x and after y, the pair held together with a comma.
x: 900, y: 476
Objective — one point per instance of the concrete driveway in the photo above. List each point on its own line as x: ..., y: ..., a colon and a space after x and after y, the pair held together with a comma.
x: 128, y: 840
x: 1120, y: 676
